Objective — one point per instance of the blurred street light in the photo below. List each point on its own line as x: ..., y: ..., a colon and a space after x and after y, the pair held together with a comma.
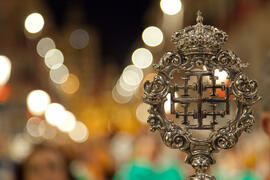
x: 19, y: 147
x: 120, y: 90
x: 37, y: 102
x: 49, y: 131
x: 55, y: 114
x: 35, y: 127
x: 119, y: 98
x: 132, y: 75
x: 79, y: 39
x: 5, y: 69
x: 125, y: 86
x: 44, y: 45
x: 142, y: 112
x: 54, y: 58
x: 152, y: 36
x: 69, y: 122
x: 71, y: 85
x: 142, y: 58
x: 59, y: 75
x: 171, y: 7
x: 34, y: 23
x: 80, y: 133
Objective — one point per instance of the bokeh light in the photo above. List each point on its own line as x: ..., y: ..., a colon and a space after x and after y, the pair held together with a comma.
x: 171, y: 7
x: 124, y: 92
x: 167, y: 104
x: 142, y: 112
x: 19, y: 147
x: 152, y: 36
x: 132, y: 75
x: 79, y: 39
x: 71, y: 85
x: 5, y: 69
x: 49, y: 131
x: 44, y: 45
x: 34, y: 23
x: 54, y: 58
x: 37, y: 102
x: 142, y: 58
x: 69, y: 122
x: 125, y: 86
x: 120, y: 98
x: 80, y: 133
x: 55, y: 114
x: 122, y: 143
x: 34, y: 127
x: 59, y: 75
x: 222, y: 75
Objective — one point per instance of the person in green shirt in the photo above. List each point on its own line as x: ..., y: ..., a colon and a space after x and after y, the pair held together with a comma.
x: 144, y: 166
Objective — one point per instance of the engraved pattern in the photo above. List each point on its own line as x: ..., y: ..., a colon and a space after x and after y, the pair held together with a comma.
x: 245, y: 90
x: 200, y: 47
x: 156, y: 90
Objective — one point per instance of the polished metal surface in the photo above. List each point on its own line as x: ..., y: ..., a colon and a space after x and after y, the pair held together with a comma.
x: 196, y: 102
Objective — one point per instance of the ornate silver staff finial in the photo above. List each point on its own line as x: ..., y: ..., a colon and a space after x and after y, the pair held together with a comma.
x: 197, y: 104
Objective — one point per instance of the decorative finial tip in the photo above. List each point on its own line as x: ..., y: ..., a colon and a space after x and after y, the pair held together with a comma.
x: 199, y: 17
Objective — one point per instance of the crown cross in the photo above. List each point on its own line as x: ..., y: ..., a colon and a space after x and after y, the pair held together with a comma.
x: 199, y: 18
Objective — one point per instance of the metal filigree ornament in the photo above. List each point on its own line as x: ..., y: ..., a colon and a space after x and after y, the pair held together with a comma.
x: 199, y: 53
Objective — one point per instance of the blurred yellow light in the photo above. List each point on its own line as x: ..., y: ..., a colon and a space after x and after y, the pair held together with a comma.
x: 132, y: 75
x: 5, y: 69
x: 71, y: 85
x: 55, y: 114
x: 79, y: 39
x: 34, y: 23
x: 167, y: 104
x: 120, y: 98
x: 152, y: 36
x: 171, y: 7
x: 222, y: 75
x: 80, y: 133
x: 37, y: 102
x: 69, y: 122
x: 142, y: 112
x: 44, y: 45
x: 54, y: 59
x: 59, y: 75
x: 142, y: 58
x: 34, y: 127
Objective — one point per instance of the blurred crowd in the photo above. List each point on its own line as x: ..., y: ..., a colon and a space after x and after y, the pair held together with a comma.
x: 123, y: 156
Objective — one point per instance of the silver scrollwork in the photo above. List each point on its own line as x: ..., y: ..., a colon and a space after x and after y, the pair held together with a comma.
x: 200, y: 47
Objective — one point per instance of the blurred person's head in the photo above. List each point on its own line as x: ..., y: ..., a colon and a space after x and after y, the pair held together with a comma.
x: 46, y: 163
x: 147, y: 146
x: 265, y: 122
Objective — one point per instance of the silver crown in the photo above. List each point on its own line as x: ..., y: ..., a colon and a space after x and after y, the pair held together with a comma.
x: 199, y: 38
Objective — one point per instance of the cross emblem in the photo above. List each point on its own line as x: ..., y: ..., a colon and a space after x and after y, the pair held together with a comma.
x: 186, y: 99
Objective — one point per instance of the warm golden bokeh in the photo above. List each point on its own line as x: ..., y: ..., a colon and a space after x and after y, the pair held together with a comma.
x: 71, y: 85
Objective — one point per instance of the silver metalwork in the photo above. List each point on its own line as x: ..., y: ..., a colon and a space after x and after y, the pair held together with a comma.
x: 199, y: 53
